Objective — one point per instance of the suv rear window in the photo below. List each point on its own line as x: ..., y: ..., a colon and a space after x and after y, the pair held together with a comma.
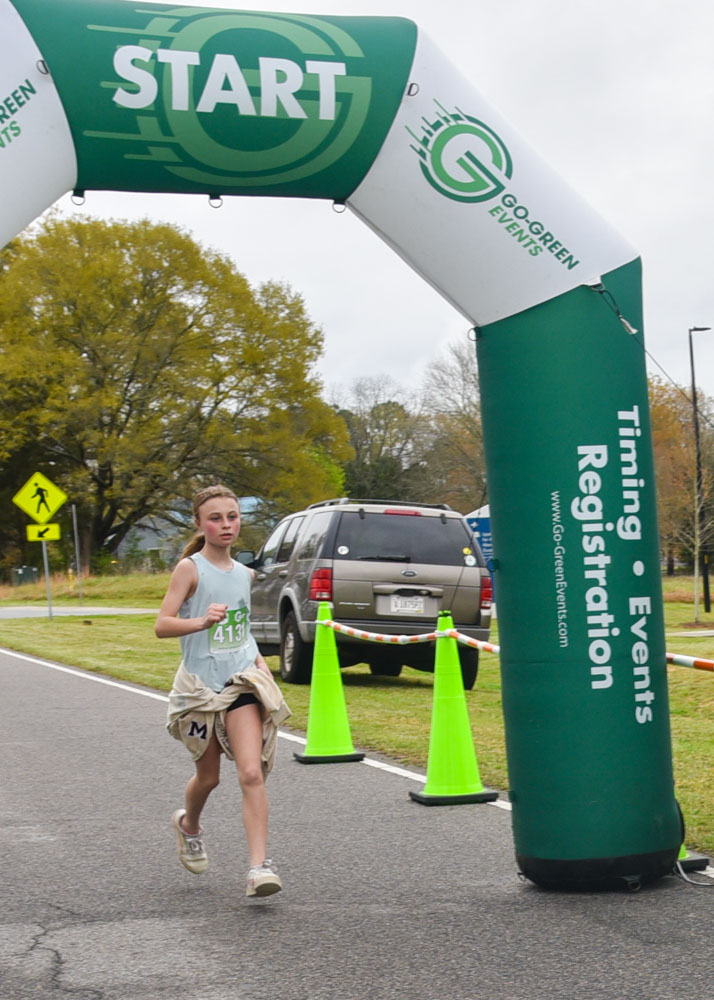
x: 403, y: 538
x: 314, y: 534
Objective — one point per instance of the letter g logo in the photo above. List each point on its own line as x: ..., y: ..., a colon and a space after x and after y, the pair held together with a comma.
x: 463, y: 158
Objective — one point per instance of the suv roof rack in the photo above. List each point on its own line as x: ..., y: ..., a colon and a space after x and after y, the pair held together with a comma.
x: 392, y: 503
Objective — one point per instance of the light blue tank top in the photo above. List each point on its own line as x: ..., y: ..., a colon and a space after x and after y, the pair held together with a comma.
x: 217, y: 653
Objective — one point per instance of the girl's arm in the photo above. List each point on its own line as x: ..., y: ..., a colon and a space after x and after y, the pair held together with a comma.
x: 262, y: 665
x: 181, y: 585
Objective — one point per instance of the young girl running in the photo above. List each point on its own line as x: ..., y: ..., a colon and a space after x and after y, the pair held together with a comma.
x: 224, y: 698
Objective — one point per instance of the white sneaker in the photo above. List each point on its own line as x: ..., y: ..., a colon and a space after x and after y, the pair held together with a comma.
x: 191, y: 852
x: 263, y: 880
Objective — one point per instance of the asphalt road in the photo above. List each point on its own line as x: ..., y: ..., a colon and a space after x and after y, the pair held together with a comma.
x: 384, y: 898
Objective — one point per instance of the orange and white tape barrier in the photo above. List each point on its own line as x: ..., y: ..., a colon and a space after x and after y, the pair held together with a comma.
x: 465, y: 640
x: 690, y: 661
x: 405, y: 640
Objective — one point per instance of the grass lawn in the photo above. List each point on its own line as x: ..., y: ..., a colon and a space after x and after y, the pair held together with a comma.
x: 387, y: 715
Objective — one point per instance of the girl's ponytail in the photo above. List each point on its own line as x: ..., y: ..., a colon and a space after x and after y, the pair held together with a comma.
x: 195, y: 545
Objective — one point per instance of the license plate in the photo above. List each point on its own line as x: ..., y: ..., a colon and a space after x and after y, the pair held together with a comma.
x: 401, y: 605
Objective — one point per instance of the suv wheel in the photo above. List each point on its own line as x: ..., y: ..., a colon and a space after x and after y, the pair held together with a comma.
x: 469, y: 666
x: 295, y: 655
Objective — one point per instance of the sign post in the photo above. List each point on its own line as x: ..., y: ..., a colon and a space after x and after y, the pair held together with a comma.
x: 46, y: 563
x: 40, y: 499
x: 76, y: 551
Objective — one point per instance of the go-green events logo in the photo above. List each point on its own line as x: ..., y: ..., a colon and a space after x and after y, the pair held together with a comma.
x: 462, y: 157
x: 465, y: 160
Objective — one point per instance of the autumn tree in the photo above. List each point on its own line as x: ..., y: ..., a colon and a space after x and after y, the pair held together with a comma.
x: 425, y: 446
x: 137, y: 364
x: 675, y: 468
x: 384, y: 432
x: 455, y: 459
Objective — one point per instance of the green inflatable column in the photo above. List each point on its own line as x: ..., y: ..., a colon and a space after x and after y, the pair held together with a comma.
x: 571, y: 482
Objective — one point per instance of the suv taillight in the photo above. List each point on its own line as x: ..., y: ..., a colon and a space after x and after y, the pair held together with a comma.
x: 321, y: 585
x: 486, y: 593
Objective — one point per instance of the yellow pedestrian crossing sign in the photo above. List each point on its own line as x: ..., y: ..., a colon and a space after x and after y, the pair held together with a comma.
x: 43, y: 532
x: 39, y: 498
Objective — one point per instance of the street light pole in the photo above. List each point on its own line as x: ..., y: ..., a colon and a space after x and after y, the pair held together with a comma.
x: 699, y: 499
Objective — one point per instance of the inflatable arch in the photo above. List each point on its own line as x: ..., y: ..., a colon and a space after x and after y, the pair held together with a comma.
x: 130, y: 96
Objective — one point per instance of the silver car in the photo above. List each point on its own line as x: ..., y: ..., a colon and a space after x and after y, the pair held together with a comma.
x: 386, y: 567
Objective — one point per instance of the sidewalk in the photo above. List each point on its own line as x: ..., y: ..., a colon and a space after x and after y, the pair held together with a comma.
x: 64, y: 610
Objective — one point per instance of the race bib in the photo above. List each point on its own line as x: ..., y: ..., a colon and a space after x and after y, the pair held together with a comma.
x: 231, y: 633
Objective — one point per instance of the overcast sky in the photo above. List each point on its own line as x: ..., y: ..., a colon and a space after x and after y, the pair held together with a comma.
x: 617, y: 95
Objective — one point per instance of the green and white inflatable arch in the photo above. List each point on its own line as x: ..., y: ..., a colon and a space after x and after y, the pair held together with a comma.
x: 130, y: 96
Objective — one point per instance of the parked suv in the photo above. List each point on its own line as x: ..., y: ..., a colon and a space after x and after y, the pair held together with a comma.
x: 386, y: 567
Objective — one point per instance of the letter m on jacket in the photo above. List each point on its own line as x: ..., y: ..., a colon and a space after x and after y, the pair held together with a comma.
x: 200, y: 731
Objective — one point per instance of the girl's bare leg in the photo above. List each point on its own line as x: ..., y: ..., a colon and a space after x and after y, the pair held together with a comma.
x: 244, y: 727
x: 200, y: 786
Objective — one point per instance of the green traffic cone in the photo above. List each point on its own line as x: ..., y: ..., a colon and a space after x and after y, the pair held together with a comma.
x: 452, y: 775
x: 328, y: 728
